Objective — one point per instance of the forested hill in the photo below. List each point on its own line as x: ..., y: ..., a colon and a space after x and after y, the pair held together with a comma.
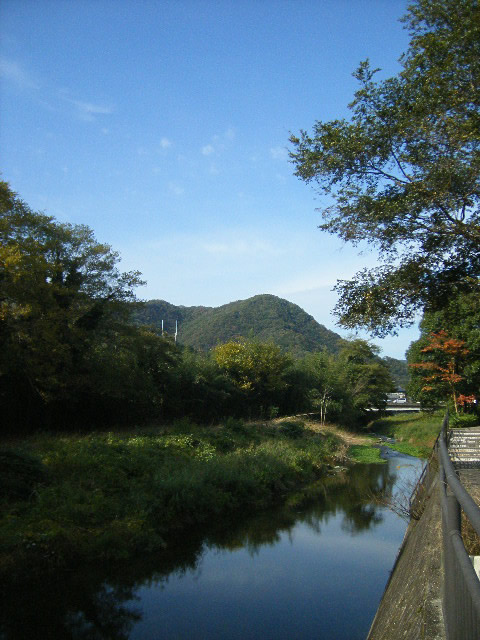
x: 263, y: 317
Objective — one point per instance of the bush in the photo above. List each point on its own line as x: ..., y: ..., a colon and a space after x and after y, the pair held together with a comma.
x: 292, y: 428
x: 20, y: 473
x: 235, y: 425
x: 463, y: 420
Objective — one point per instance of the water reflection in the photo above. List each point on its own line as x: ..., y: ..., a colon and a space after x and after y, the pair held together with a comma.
x: 110, y: 604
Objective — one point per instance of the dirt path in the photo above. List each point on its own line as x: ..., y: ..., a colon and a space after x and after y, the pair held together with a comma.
x: 347, y: 437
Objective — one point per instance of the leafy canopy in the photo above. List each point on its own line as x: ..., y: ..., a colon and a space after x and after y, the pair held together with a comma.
x: 403, y: 172
x: 459, y: 323
x: 64, y: 311
x: 441, y: 374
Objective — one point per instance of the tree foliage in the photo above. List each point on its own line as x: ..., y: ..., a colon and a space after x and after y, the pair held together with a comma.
x: 458, y: 321
x: 403, y: 172
x: 257, y: 368
x: 67, y: 346
x: 347, y: 387
x: 327, y: 388
x: 441, y: 373
x: 70, y: 355
x: 265, y: 318
x: 365, y: 376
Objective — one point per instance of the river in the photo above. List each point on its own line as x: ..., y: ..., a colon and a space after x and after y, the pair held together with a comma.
x: 314, y: 568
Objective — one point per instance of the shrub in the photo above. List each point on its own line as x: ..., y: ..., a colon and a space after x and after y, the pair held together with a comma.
x: 19, y: 474
x: 235, y: 425
x: 463, y: 420
x: 292, y: 428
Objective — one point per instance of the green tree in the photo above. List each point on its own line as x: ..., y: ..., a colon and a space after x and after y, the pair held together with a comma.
x: 326, y: 382
x: 257, y: 368
x: 460, y: 318
x: 62, y: 300
x: 366, y: 378
x: 403, y: 172
x: 202, y: 390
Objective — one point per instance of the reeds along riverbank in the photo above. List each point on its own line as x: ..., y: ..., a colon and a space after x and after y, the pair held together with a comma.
x: 112, y: 495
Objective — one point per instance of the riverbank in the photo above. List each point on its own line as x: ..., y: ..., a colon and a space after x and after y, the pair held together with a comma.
x: 105, y: 496
x: 411, y: 434
x: 411, y: 605
x: 414, y: 434
x: 255, y: 574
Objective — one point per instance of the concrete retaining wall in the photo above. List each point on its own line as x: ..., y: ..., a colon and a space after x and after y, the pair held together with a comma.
x: 411, y: 605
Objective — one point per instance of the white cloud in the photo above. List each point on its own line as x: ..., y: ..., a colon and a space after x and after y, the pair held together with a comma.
x: 220, y: 143
x: 307, y: 282
x: 235, y: 248
x: 207, y: 150
x: 86, y: 110
x: 279, y: 153
x: 176, y: 189
x: 165, y: 143
x: 13, y: 72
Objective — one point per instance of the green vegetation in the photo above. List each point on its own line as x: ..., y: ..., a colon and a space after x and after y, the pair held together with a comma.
x: 264, y: 318
x: 111, y: 495
x: 450, y: 371
x: 410, y: 449
x: 70, y: 354
x: 365, y: 454
x: 345, y: 387
x: 414, y: 434
x: 399, y: 371
x: 403, y: 171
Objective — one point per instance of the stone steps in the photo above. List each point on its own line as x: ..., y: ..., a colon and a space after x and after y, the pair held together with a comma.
x: 464, y: 448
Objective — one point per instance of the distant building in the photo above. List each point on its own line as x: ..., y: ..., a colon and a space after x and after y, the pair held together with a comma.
x: 396, y: 398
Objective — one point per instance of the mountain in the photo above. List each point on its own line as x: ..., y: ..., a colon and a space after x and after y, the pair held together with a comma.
x: 399, y: 371
x: 263, y: 317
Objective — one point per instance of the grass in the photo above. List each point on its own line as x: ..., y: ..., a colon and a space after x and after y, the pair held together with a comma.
x: 365, y: 454
x: 107, y: 496
x: 414, y: 434
x: 410, y: 449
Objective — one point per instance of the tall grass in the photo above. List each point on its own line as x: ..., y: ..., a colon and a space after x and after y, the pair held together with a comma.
x: 110, y: 495
x: 419, y: 430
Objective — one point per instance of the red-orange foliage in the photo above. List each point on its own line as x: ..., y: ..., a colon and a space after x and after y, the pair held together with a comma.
x: 463, y: 400
x: 454, y: 349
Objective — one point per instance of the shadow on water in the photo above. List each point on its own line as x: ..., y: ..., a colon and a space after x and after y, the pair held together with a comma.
x: 103, y: 603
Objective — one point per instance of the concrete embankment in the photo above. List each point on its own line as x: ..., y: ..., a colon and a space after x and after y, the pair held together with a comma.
x: 411, y: 605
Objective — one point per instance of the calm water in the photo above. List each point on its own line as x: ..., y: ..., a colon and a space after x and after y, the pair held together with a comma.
x: 315, y: 568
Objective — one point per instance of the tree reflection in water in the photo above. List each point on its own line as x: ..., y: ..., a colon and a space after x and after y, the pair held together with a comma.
x: 98, y: 604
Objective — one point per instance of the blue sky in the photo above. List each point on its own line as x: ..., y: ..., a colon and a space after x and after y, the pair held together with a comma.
x: 163, y: 125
